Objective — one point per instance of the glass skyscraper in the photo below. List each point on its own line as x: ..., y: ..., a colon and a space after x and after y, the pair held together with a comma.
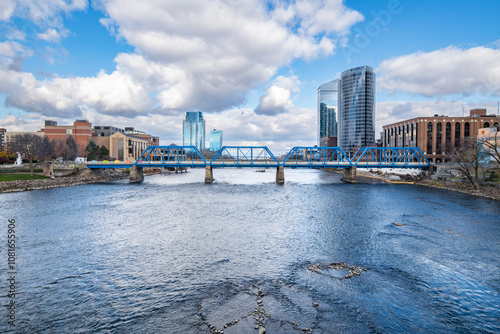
x: 327, y: 109
x: 215, y: 140
x: 193, y: 130
x: 356, y: 109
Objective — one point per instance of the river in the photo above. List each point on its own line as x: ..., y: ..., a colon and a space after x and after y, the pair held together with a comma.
x: 316, y: 255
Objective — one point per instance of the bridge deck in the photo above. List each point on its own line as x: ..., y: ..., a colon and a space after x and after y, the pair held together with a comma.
x: 262, y: 157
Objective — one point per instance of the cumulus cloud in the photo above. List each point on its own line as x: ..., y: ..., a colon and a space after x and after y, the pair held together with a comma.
x: 198, y: 54
x: 448, y: 71
x: 212, y: 53
x: 53, y: 35
x: 329, y: 16
x: 113, y: 93
x: 276, y: 99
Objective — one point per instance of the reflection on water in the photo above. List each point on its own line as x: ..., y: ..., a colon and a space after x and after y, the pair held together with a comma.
x: 175, y: 255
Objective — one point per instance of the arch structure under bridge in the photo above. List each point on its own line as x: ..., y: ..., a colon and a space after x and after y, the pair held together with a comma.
x: 262, y: 157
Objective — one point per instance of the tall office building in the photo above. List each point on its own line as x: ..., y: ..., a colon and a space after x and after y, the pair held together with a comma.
x: 327, y: 110
x: 356, y: 109
x: 215, y: 140
x: 193, y: 130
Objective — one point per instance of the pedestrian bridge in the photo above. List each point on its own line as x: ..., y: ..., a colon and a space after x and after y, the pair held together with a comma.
x: 262, y: 157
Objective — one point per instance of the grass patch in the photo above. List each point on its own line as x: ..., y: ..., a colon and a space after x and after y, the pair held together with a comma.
x: 21, y: 177
x: 27, y: 170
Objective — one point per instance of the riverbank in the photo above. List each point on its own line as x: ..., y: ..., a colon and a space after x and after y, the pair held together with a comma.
x: 491, y: 191
x: 59, y: 182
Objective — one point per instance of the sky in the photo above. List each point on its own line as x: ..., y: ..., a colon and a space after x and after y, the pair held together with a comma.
x: 252, y: 67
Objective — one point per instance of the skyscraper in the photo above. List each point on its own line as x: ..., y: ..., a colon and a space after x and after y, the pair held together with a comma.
x: 356, y: 108
x: 215, y: 140
x: 327, y: 109
x: 193, y: 130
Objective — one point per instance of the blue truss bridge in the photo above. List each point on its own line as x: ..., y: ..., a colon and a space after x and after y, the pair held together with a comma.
x: 262, y: 157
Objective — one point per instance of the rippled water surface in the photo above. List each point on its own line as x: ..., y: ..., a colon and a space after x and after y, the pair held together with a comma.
x: 175, y: 255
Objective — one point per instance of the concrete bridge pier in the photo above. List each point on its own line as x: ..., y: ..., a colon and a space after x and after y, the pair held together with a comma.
x: 136, y: 175
x: 350, y: 175
x: 280, y: 175
x: 209, y: 175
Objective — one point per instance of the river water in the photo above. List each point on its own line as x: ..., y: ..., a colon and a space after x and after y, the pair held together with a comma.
x: 175, y: 255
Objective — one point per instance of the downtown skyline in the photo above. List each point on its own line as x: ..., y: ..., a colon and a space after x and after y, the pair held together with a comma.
x: 252, y: 69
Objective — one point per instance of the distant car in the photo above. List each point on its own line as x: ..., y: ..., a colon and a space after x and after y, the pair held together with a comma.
x: 117, y: 161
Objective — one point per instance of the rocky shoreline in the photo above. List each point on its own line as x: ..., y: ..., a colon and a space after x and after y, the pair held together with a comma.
x: 491, y: 191
x: 83, y: 178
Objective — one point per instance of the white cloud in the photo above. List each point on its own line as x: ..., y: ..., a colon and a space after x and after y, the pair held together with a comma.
x: 20, y: 124
x: 277, y: 97
x: 198, y: 54
x: 10, y: 49
x: 275, y: 101
x: 7, y: 9
x: 210, y: 54
x: 114, y: 93
x: 443, y: 72
x: 16, y: 35
x: 329, y: 16
x: 43, y: 13
x: 53, y: 35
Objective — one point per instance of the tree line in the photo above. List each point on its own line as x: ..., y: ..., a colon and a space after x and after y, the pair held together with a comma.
x: 33, y: 148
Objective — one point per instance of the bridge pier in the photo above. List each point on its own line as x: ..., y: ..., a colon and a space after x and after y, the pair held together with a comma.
x: 209, y: 175
x: 136, y: 175
x: 280, y: 175
x: 350, y: 175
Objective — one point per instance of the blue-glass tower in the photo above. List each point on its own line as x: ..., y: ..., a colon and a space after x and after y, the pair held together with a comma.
x: 193, y: 130
x: 356, y: 109
x: 215, y: 140
x: 327, y: 109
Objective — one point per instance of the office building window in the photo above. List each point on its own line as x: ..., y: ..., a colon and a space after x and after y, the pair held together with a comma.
x: 429, y: 138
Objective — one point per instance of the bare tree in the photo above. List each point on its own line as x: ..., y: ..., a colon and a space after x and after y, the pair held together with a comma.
x: 32, y: 147
x: 71, y: 149
x: 466, y: 160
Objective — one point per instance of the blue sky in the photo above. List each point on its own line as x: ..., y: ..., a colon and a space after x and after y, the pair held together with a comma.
x: 252, y: 69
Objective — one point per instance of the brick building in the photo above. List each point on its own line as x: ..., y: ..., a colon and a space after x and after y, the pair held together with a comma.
x: 81, y: 131
x: 437, y: 135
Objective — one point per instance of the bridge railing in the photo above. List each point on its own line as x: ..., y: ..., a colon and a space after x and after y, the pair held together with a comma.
x: 244, y: 156
x: 377, y: 157
x: 172, y: 156
x: 316, y: 157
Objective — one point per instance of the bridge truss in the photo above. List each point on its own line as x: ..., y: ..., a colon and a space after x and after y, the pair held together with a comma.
x: 390, y: 157
x: 261, y: 156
